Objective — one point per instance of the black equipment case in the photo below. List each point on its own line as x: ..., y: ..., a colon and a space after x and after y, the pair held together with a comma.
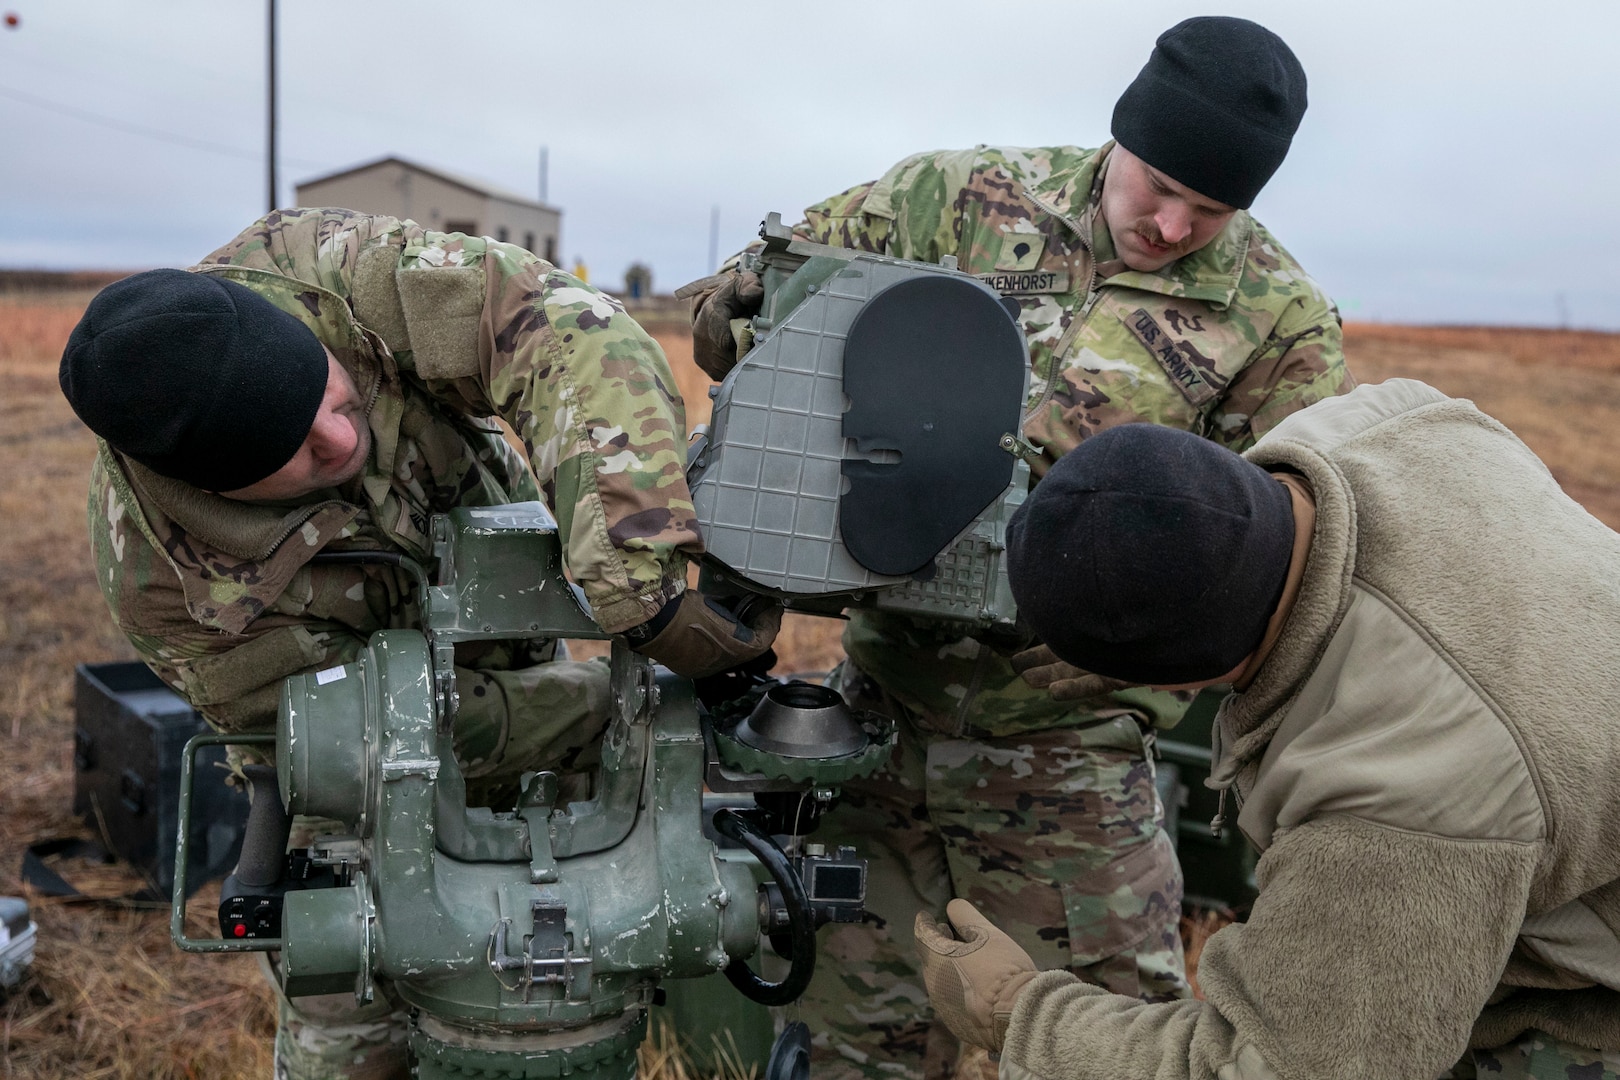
x: 127, y: 745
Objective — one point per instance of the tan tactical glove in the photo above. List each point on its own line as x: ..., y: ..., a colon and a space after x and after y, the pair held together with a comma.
x: 701, y: 638
x: 974, y: 978
x: 1041, y: 668
x: 722, y: 306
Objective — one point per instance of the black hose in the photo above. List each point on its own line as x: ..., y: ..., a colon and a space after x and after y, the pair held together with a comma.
x: 741, y: 827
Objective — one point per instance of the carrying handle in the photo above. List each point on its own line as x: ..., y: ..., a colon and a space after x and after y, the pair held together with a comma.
x: 177, y: 905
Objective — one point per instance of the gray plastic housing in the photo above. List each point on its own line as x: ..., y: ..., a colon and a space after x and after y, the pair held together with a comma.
x: 766, y: 482
x: 17, y: 934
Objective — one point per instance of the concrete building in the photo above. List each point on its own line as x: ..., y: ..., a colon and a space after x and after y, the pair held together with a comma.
x: 439, y: 200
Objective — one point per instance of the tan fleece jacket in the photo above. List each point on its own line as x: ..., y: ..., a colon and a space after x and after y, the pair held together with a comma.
x: 1429, y: 761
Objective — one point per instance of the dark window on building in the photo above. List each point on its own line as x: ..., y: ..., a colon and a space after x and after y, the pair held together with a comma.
x: 551, y: 250
x: 468, y: 227
x: 528, y: 241
x: 502, y: 233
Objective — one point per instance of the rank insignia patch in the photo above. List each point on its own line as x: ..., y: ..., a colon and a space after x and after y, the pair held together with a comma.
x: 1020, y: 251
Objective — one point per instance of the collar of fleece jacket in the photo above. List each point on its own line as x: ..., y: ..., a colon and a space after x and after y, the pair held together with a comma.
x: 1249, y: 719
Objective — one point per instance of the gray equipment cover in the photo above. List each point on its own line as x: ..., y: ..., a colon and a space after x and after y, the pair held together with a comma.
x: 767, y: 485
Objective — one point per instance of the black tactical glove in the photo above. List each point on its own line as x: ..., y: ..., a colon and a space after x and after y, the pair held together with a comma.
x: 695, y: 637
x: 721, y: 307
x: 1041, y: 668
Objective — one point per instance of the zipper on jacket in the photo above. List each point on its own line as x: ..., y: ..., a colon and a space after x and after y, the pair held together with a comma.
x: 1080, y: 314
x: 976, y: 682
x: 298, y: 523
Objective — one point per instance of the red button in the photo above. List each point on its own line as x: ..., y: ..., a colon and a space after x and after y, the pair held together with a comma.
x: 240, y: 930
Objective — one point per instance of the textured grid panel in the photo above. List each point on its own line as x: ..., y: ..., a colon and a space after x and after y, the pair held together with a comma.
x: 767, y: 498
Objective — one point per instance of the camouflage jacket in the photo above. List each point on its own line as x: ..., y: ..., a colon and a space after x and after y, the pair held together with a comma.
x: 1225, y: 342
x: 442, y: 333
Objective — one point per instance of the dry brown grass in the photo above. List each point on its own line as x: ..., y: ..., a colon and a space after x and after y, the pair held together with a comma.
x: 109, y: 997
x: 1559, y: 390
x: 666, y: 1055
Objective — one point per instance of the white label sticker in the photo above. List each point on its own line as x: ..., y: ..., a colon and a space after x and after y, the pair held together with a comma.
x: 331, y: 674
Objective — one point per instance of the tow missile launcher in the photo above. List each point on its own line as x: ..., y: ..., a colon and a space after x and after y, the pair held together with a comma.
x: 529, y: 941
x: 865, y: 452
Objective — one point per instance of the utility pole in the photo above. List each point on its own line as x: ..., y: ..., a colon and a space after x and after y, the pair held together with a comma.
x: 714, y: 237
x: 542, y: 174
x: 271, y: 64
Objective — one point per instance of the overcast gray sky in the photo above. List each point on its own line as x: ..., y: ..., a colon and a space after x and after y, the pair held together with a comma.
x: 1460, y: 162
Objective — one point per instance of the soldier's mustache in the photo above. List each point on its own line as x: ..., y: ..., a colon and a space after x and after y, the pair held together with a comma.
x: 1151, y: 233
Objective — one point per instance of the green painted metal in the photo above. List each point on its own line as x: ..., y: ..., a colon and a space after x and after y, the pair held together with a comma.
x: 517, y: 934
x: 326, y: 745
x: 721, y: 1032
x: 528, y: 943
x: 502, y: 568
x: 656, y: 903
x: 328, y: 940
x: 604, y: 1052
x: 818, y: 771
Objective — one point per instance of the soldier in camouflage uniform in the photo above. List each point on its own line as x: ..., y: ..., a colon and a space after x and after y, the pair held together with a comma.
x: 1146, y: 294
x: 427, y: 337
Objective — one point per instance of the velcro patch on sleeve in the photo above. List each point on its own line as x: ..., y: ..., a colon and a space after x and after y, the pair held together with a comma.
x: 260, y: 661
x: 442, y: 306
x: 375, y: 295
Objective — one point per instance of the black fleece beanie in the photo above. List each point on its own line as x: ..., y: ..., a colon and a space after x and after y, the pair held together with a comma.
x: 195, y: 377
x: 1215, y: 107
x: 1149, y: 554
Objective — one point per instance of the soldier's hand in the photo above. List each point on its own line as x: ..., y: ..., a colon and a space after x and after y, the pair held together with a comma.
x: 701, y: 638
x: 1041, y: 668
x: 973, y: 978
x: 721, y: 308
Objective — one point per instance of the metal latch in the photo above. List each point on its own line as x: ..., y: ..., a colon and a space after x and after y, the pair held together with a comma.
x: 1018, y: 448
x: 547, y: 957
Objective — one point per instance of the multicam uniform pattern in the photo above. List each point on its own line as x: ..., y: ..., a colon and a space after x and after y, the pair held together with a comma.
x: 441, y: 332
x: 219, y: 596
x: 1539, y: 1056
x: 1041, y: 813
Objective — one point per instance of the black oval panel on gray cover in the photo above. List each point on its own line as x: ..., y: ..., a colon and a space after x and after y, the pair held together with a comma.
x: 933, y: 368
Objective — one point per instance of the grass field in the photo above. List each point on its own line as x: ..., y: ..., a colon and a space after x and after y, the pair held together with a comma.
x: 109, y: 996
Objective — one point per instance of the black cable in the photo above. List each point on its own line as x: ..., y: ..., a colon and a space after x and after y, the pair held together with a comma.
x: 741, y: 827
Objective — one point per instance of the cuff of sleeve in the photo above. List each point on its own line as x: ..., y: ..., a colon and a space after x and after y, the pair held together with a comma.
x: 1030, y: 1003
x: 617, y: 616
